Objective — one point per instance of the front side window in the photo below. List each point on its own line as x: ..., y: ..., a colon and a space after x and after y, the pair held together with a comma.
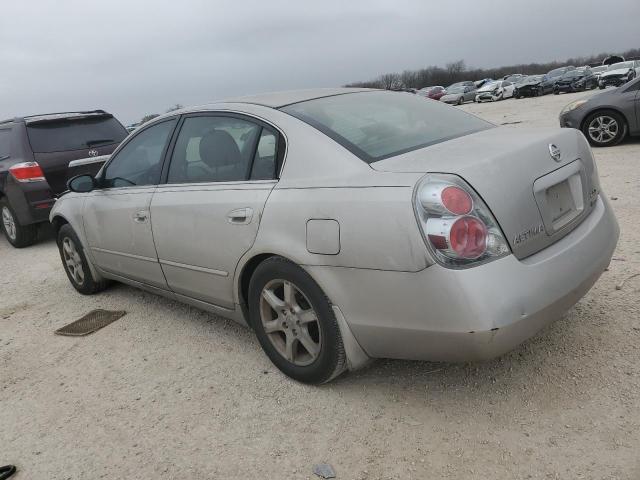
x: 219, y: 149
x: 139, y: 162
x: 379, y: 125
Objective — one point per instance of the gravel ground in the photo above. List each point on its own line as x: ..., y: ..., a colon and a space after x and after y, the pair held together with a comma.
x: 172, y: 392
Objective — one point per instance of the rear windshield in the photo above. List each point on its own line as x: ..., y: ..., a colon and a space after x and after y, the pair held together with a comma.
x: 379, y: 125
x: 74, y: 134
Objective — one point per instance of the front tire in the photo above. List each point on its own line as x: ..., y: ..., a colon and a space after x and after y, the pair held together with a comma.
x: 459, y: 102
x: 75, y: 263
x: 604, y: 128
x: 19, y: 236
x: 295, y: 323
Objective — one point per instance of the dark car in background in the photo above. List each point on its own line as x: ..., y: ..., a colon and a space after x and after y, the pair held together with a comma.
x: 608, y: 117
x: 576, y: 80
x: 528, y: 87
x: 549, y: 80
x: 38, y: 154
x: 434, y: 93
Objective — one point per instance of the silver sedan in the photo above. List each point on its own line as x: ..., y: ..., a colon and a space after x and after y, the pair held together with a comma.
x: 343, y: 225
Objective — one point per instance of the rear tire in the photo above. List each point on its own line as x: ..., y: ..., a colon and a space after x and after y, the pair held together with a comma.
x: 75, y: 263
x: 295, y: 323
x: 604, y: 128
x: 19, y: 236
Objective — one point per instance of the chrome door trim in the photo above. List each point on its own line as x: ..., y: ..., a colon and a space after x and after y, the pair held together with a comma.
x: 211, y: 271
x: 122, y: 254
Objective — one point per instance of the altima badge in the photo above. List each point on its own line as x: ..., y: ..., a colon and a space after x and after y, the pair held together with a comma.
x: 93, y: 153
x: 555, y: 152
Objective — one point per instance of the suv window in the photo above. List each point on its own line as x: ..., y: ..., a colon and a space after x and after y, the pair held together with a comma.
x: 139, y: 162
x: 74, y: 133
x: 218, y: 149
x: 5, y: 143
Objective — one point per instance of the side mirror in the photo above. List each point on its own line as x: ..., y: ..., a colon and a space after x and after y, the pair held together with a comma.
x: 82, y: 184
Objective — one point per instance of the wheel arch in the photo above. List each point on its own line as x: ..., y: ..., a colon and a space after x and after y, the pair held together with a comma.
x: 604, y: 109
x: 57, y: 222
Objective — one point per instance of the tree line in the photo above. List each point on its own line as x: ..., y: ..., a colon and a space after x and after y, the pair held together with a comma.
x: 458, y: 71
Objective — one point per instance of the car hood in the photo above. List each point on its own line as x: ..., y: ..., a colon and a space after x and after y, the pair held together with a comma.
x: 612, y: 73
x: 503, y: 165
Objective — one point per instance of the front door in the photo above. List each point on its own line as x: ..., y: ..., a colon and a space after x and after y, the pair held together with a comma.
x: 116, y: 216
x: 206, y: 216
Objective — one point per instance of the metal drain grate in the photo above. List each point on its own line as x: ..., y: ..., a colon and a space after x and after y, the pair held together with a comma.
x: 91, y: 322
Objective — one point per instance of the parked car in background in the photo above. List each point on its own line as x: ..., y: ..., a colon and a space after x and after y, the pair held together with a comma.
x: 529, y: 87
x: 607, y: 118
x: 201, y: 206
x: 130, y: 128
x: 576, y: 80
x: 494, y: 91
x: 619, y: 73
x: 514, y: 77
x: 549, y: 80
x: 459, y: 94
x: 434, y: 93
x: 35, y: 157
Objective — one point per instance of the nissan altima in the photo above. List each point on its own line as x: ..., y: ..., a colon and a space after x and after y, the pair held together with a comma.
x: 343, y: 225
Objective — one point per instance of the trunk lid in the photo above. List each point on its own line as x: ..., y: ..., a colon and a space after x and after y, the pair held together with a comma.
x: 535, y: 199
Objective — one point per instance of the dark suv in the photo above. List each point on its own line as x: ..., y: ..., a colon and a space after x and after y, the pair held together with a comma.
x: 35, y: 157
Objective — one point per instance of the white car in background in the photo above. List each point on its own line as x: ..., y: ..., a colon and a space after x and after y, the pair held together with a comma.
x: 494, y: 91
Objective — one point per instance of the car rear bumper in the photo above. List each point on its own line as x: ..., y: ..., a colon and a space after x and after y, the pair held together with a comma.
x: 31, y: 202
x: 442, y: 314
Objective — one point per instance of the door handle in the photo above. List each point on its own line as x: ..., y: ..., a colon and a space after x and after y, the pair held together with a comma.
x: 240, y: 216
x: 141, y: 216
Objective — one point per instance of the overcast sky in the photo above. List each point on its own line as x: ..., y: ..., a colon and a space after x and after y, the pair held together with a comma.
x: 135, y: 57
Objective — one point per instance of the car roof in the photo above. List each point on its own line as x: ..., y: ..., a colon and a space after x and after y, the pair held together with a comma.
x: 284, y: 98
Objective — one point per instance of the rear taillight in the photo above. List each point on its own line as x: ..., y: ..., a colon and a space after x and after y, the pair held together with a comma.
x: 27, y: 172
x: 457, y: 226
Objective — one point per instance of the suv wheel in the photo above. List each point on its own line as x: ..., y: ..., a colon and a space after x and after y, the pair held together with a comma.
x: 294, y: 322
x: 604, y: 128
x: 75, y: 263
x: 19, y: 236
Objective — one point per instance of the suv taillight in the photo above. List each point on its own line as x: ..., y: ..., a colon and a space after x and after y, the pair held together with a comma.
x: 27, y: 172
x: 457, y: 226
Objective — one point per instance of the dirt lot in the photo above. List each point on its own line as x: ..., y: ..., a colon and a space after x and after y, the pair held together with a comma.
x: 171, y: 392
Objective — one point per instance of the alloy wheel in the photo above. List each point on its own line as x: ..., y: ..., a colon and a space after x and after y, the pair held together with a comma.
x: 290, y: 322
x: 603, y: 129
x: 9, y: 223
x: 73, y: 261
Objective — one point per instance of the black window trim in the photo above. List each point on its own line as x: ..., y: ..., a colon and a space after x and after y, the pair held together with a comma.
x: 281, y: 146
x: 129, y: 139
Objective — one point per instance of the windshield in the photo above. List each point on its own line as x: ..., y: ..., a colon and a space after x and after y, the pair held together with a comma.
x: 456, y: 89
x: 379, y: 125
x: 621, y: 65
x: 573, y: 73
x: 601, y: 68
x: 532, y: 79
x: 74, y: 134
x: 489, y: 86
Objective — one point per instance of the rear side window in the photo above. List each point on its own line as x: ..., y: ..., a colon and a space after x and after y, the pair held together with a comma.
x: 5, y: 143
x: 74, y: 134
x: 216, y: 149
x: 379, y: 125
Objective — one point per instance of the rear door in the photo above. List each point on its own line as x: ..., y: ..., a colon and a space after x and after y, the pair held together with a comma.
x: 206, y: 216
x: 116, y: 217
